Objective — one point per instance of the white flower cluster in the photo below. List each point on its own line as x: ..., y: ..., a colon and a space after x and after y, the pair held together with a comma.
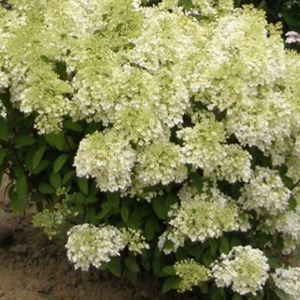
x: 292, y: 37
x: 288, y: 224
x: 2, y: 109
x: 89, y: 245
x: 265, y: 192
x: 200, y: 217
x: 288, y: 280
x: 106, y: 157
x: 160, y: 163
x: 191, y: 274
x: 202, y: 146
x: 244, y: 269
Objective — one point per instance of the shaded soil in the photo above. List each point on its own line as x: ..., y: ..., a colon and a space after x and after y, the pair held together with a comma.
x: 34, y: 268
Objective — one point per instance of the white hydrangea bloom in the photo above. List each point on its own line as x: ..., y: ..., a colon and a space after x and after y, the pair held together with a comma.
x: 244, y: 269
x: 202, y: 144
x: 191, y: 274
x: 2, y: 110
x: 106, y: 157
x: 204, y: 216
x: 160, y: 163
x: 288, y: 280
x: 235, y: 166
x: 213, y: 8
x: 88, y: 245
x: 135, y: 241
x: 292, y: 37
x: 265, y: 192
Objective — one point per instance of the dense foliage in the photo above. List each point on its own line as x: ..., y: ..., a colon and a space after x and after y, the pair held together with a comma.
x: 157, y: 138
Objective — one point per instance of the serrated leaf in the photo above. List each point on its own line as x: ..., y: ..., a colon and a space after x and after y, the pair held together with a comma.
x: 46, y: 188
x: 171, y: 283
x: 132, y: 265
x: 38, y: 156
x: 59, y: 163
x: 281, y: 294
x: 55, y: 180
x: 83, y: 185
x: 124, y: 213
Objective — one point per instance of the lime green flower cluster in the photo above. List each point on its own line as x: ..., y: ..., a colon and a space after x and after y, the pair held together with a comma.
x: 191, y: 274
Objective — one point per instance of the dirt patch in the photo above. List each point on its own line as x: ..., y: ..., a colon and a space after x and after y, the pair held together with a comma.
x: 34, y: 268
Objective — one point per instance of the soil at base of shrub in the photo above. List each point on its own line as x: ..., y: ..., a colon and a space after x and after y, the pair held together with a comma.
x: 34, y: 268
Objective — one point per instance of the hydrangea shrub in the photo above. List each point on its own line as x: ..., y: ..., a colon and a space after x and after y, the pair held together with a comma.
x: 161, y: 138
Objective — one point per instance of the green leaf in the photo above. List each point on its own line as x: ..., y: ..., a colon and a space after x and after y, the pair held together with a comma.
x: 83, y: 185
x: 55, y: 180
x: 46, y: 188
x: 187, y: 4
x: 24, y: 140
x: 213, y: 246
x: 159, y: 208
x: 225, y: 247
x: 56, y: 140
x: 41, y: 167
x: 17, y: 204
x: 274, y: 263
x: 169, y: 270
x: 131, y: 276
x: 45, y: 59
x: 91, y: 200
x: 281, y: 294
x: 124, y: 213
x: 114, y: 266
x: 59, y: 162
x: 68, y: 176
x: 22, y: 188
x: 197, y: 181
x: 3, y: 153
x: 207, y: 258
x: 151, y: 226
x: 4, y: 133
x: 113, y: 199
x: 171, y: 283
x: 132, y: 265
x: 73, y: 126
x: 236, y: 297
x: 106, y: 208
x: 38, y: 156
